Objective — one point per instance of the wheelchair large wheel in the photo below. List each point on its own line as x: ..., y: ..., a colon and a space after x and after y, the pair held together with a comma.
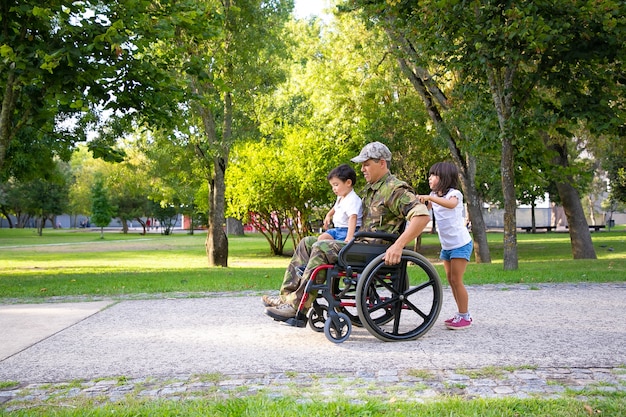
x: 399, y: 302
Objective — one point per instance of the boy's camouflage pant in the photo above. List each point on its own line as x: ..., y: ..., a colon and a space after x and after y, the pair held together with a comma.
x: 311, y: 253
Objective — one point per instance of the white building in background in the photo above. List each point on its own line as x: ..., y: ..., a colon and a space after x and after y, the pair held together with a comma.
x: 547, y: 215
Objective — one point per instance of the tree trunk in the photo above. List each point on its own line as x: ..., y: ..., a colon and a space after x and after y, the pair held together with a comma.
x: 217, y: 241
x: 431, y: 94
x: 6, y: 115
x: 592, y: 213
x: 501, y: 86
x: 580, y: 236
x: 6, y: 215
x: 475, y: 212
x: 510, y: 205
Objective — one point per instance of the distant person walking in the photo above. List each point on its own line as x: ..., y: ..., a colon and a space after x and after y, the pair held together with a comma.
x: 446, y: 202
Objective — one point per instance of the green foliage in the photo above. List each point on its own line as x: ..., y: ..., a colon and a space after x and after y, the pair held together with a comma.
x: 53, y: 63
x: 101, y: 208
x: 203, y: 64
x: 174, y: 175
x: 615, y: 164
x: 202, y: 75
x: 129, y: 185
x: 39, y: 198
x: 277, y: 185
x: 344, y: 91
x: 46, y: 199
x: 166, y: 216
x: 558, y: 59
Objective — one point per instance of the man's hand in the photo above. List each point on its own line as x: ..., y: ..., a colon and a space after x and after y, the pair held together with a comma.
x: 393, y: 254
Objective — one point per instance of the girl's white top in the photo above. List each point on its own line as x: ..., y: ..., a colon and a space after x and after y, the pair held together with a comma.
x: 346, y: 207
x: 451, y: 222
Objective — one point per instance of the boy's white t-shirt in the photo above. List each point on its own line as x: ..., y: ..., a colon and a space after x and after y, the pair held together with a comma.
x: 347, y: 206
x: 451, y: 222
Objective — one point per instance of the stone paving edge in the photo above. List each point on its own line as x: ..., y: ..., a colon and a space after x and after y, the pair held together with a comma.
x: 409, y: 385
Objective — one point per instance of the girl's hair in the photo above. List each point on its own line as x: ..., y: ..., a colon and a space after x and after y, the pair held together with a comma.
x: 448, y: 176
x: 344, y: 172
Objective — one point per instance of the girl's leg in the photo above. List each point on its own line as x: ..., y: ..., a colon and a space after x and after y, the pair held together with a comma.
x: 447, y: 267
x: 454, y: 273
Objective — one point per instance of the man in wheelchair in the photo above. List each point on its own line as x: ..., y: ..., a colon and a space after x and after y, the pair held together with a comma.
x: 388, y: 204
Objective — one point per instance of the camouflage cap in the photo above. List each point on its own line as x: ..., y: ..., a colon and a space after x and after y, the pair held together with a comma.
x: 373, y: 150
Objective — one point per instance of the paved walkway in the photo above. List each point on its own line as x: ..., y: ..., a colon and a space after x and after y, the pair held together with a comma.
x: 543, y: 340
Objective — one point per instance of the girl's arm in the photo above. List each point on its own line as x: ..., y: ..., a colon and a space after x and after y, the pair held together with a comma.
x: 351, y: 227
x: 448, y: 203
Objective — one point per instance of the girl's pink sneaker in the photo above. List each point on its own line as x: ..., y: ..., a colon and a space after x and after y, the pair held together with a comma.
x: 458, y: 323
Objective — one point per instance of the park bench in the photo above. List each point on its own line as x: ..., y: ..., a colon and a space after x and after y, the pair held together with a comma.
x: 529, y: 229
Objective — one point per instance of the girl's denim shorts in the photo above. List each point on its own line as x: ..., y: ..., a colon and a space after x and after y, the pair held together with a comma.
x: 463, y: 252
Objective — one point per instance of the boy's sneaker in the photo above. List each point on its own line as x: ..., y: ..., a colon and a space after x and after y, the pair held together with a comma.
x: 459, y: 323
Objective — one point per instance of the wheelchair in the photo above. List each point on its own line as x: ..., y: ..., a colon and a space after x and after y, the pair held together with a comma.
x: 393, y: 302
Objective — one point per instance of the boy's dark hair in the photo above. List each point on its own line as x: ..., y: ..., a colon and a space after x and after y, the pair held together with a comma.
x: 344, y: 172
x: 448, y: 176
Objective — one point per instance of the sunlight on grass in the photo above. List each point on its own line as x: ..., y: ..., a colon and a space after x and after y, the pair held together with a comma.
x: 69, y: 262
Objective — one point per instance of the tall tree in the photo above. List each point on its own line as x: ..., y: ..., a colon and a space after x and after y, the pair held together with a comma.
x: 437, y: 104
x: 203, y: 64
x: 101, y: 208
x: 174, y: 177
x: 429, y: 82
x: 47, y: 199
x: 129, y: 188
x: 518, y: 50
x: 85, y: 168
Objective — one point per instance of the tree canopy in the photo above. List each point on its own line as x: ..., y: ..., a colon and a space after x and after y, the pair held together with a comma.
x: 235, y: 108
x: 55, y: 61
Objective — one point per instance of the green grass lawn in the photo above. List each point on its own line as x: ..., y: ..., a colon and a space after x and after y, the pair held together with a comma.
x: 262, y: 406
x: 79, y: 263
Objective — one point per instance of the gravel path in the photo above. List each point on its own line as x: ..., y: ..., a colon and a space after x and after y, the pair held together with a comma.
x: 526, y: 341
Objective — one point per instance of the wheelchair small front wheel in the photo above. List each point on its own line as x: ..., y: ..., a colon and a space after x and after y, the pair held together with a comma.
x: 318, y: 317
x: 338, y: 328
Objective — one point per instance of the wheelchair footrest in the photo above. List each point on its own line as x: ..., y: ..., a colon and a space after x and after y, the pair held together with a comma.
x: 299, y: 321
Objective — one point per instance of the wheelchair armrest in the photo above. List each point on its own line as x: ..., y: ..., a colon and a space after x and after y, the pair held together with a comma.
x: 343, y: 253
x: 391, y: 237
